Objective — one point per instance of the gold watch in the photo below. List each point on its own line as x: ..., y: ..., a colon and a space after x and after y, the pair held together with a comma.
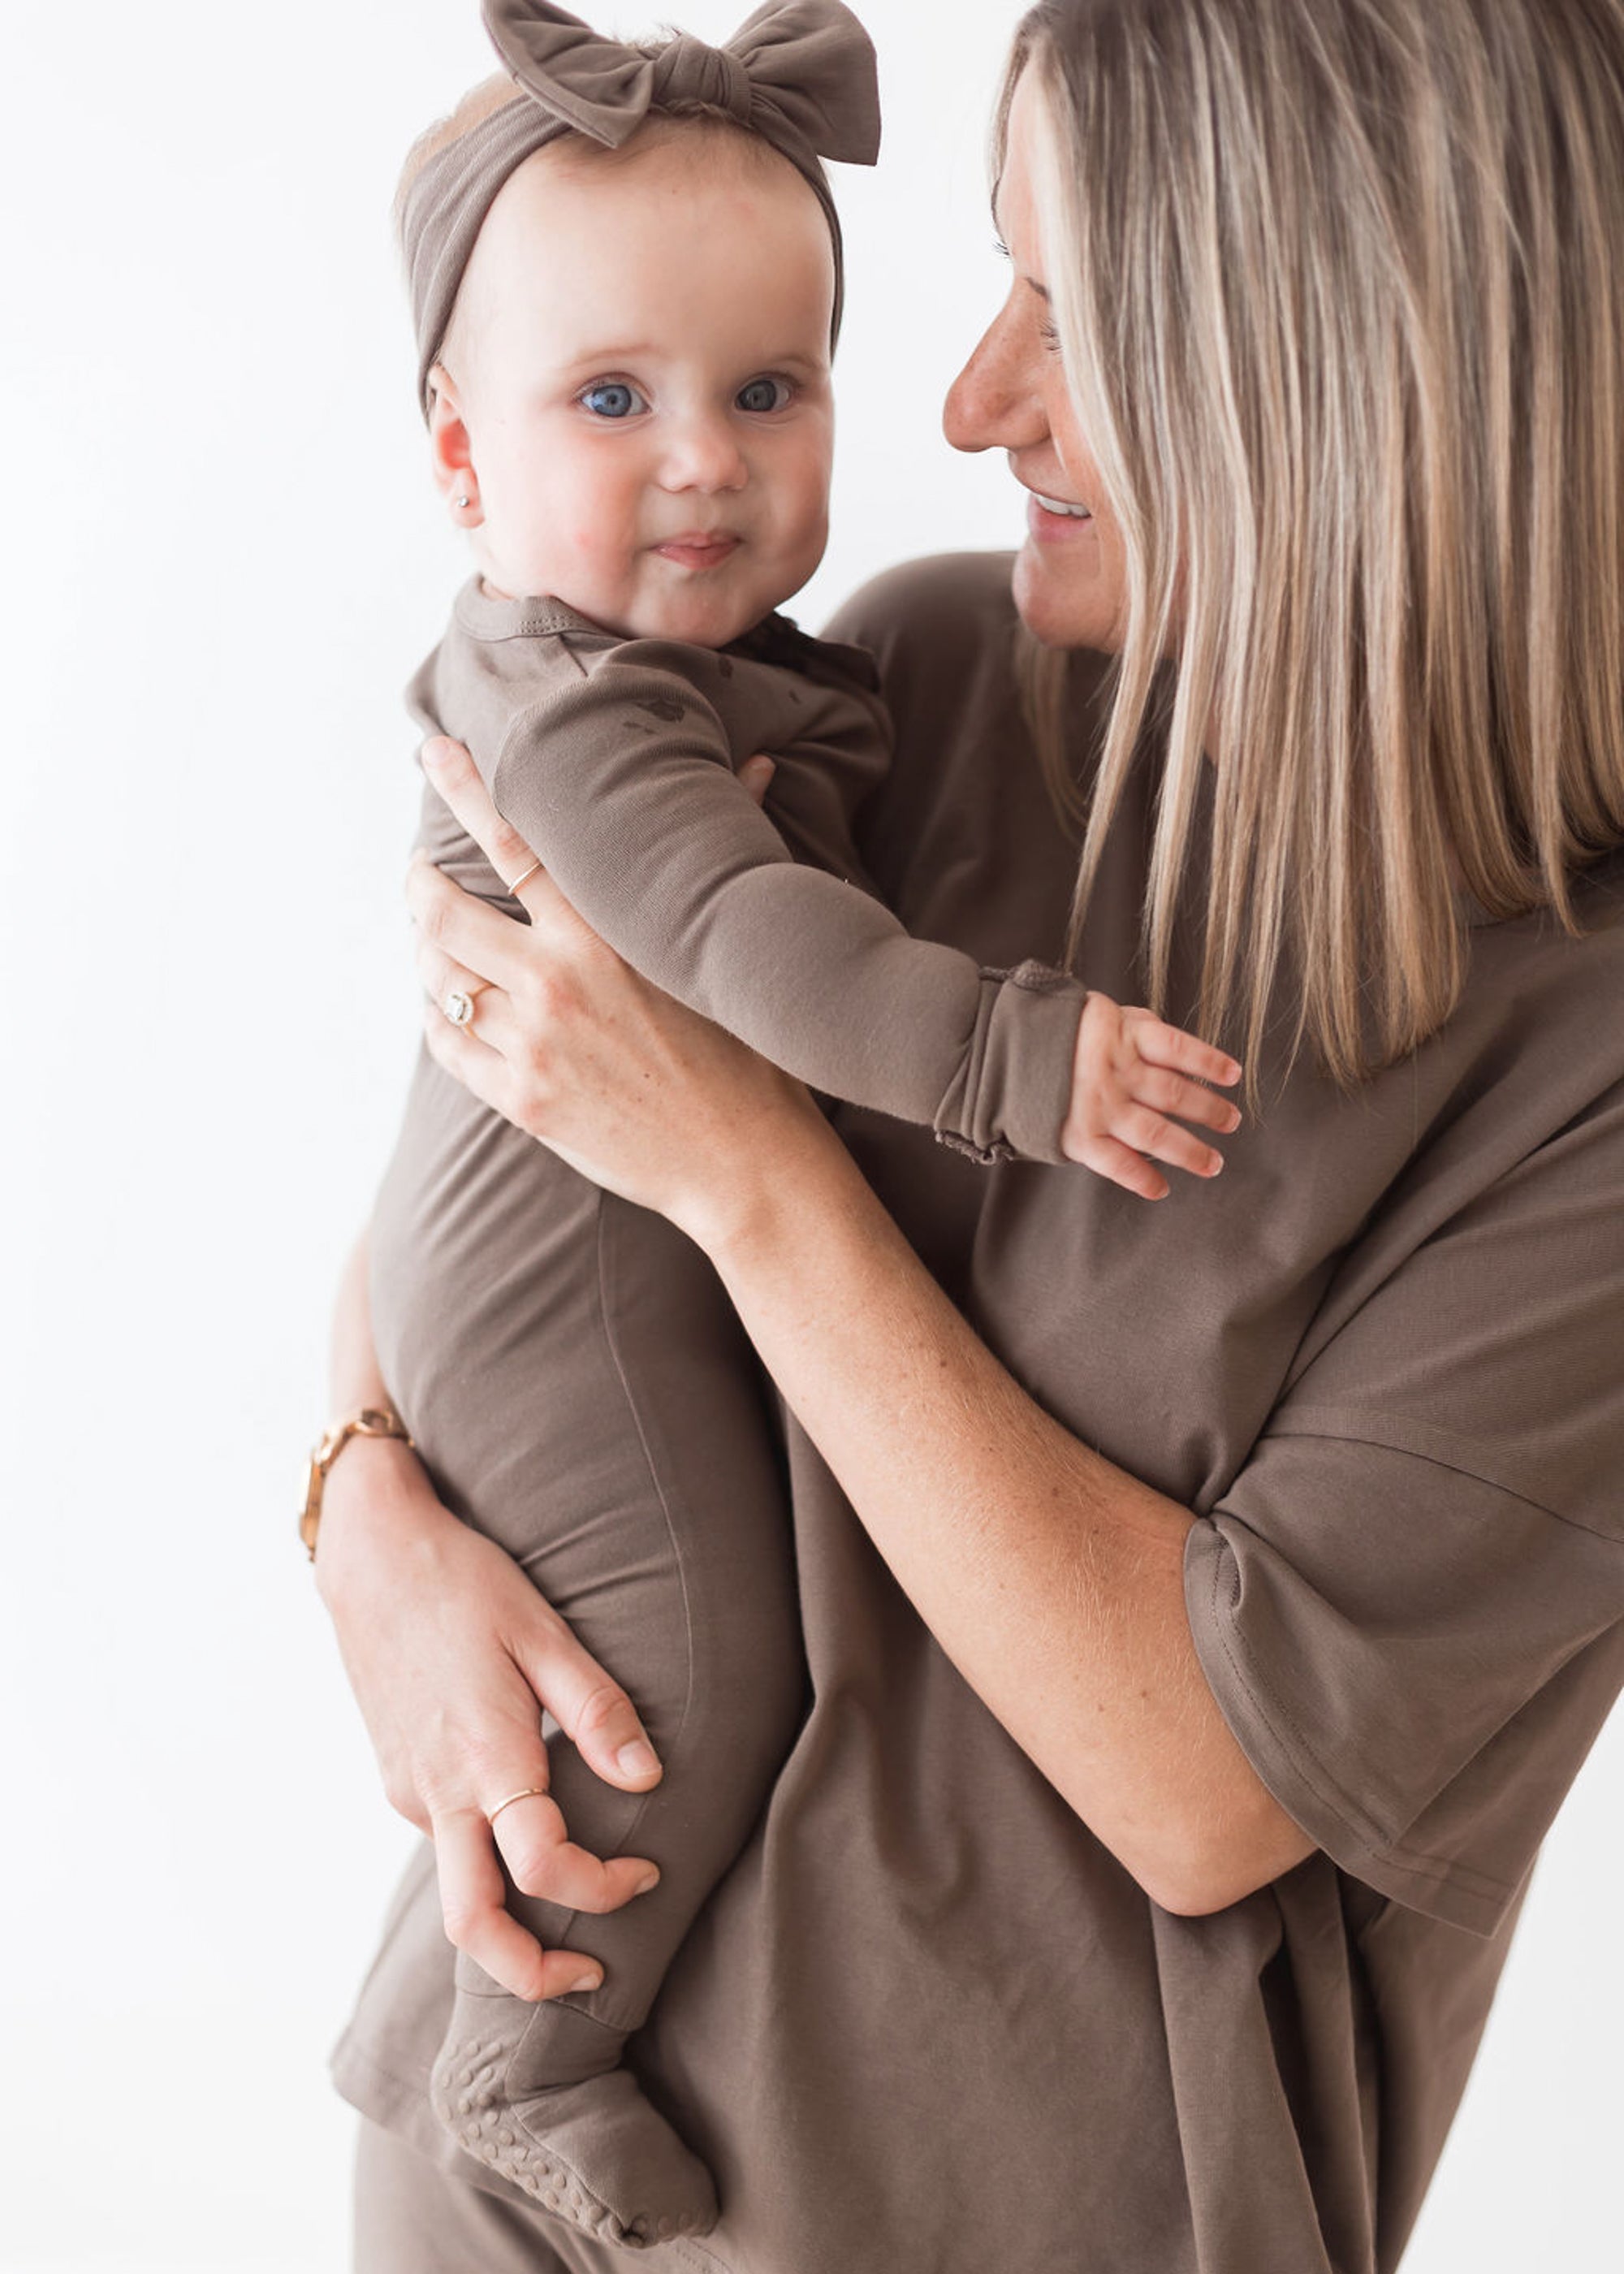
x: 370, y: 1421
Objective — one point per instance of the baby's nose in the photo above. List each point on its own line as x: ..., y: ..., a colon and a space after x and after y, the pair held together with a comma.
x: 703, y: 453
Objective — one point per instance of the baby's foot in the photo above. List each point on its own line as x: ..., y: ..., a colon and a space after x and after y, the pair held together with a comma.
x: 594, y: 2152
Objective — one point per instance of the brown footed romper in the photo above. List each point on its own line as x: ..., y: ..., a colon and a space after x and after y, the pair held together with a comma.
x: 572, y: 1375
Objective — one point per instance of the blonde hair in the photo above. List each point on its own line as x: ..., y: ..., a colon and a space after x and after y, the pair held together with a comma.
x: 1337, y: 285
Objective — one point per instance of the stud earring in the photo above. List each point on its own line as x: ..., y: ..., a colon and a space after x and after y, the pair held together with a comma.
x: 463, y: 502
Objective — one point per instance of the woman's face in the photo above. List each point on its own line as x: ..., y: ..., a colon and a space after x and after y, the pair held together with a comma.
x: 1071, y: 578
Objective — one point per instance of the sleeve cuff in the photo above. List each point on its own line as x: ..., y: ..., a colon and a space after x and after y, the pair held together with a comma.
x: 1010, y: 1097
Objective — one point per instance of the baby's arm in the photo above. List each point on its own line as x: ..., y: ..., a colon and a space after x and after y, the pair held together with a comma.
x: 623, y: 783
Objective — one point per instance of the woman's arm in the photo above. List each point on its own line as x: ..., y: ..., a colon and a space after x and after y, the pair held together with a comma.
x: 1052, y: 1579
x: 452, y: 1654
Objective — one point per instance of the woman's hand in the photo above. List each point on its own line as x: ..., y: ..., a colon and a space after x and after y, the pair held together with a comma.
x: 568, y: 1042
x: 449, y: 1647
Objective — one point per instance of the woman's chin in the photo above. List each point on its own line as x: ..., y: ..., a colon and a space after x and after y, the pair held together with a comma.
x: 1052, y: 607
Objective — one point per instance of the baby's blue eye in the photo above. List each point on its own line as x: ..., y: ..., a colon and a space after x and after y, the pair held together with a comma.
x: 612, y: 398
x: 764, y: 395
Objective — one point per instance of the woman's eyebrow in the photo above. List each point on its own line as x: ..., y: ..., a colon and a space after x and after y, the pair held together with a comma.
x: 1031, y: 283
x: 1003, y: 252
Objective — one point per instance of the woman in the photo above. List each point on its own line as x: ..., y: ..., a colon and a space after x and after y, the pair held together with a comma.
x: 1207, y: 1611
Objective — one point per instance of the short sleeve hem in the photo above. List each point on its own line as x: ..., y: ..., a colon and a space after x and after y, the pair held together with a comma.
x: 1261, y: 1723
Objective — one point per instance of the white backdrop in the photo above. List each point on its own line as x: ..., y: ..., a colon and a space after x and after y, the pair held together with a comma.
x: 221, y: 560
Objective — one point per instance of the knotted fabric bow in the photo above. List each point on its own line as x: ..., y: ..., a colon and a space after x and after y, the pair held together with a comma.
x: 801, y: 73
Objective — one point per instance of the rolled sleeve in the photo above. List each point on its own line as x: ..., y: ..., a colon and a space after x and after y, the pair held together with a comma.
x: 1421, y: 1711
x: 1409, y: 1602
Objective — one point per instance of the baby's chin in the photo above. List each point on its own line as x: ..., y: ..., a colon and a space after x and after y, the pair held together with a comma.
x: 699, y: 617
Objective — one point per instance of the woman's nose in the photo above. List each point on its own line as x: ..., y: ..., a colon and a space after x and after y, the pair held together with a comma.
x: 703, y: 453
x: 996, y: 403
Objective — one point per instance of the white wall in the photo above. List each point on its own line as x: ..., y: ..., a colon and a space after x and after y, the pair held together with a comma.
x: 221, y: 559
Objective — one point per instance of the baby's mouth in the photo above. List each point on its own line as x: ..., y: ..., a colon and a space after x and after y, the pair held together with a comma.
x: 699, y: 548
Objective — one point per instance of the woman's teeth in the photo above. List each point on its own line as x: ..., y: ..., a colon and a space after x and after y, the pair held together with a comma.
x: 1057, y: 505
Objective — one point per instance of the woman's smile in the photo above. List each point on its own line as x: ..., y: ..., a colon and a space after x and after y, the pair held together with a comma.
x: 1051, y: 521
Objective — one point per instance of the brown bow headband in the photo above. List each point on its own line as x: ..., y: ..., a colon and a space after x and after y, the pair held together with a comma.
x: 801, y: 73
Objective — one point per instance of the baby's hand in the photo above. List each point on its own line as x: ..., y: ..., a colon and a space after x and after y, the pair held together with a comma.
x: 1129, y: 1074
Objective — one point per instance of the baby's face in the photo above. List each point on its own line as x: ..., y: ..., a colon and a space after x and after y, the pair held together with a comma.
x: 644, y: 398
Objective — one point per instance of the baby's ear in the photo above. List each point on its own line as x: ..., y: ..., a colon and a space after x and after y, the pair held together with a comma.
x: 451, y: 450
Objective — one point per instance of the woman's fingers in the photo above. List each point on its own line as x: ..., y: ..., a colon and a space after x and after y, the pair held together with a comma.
x: 491, y: 1019
x: 473, y: 1904
x: 456, y: 777
x: 600, y: 1720
x: 545, y: 1861
x: 465, y: 930
x: 475, y: 1063
x: 443, y: 978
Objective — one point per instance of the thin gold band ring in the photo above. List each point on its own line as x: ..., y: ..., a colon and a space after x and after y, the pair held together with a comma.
x: 530, y: 1792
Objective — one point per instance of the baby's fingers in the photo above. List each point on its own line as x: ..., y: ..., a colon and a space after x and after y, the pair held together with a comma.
x: 1162, y: 1045
x: 1107, y: 1157
x: 1190, y: 1101
x: 1143, y: 1131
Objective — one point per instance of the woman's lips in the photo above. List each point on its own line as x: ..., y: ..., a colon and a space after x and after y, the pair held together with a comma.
x: 696, y: 550
x: 1051, y: 528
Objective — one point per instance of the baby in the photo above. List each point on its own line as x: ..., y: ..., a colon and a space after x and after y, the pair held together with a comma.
x: 625, y: 275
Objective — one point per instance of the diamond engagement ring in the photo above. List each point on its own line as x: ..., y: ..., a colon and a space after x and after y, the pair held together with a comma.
x: 459, y: 1007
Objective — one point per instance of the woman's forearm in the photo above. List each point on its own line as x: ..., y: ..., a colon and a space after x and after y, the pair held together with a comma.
x: 353, y: 1375
x: 374, y: 1478
x: 1052, y: 1579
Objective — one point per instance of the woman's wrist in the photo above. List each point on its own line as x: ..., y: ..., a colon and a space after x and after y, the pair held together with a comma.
x: 377, y: 1495
x: 765, y: 1164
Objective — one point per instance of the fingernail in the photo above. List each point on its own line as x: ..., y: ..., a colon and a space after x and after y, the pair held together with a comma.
x: 637, y: 1759
x: 647, y: 1884
x: 591, y: 1977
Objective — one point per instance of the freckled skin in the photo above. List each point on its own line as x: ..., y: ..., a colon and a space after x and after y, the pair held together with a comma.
x: 1070, y: 577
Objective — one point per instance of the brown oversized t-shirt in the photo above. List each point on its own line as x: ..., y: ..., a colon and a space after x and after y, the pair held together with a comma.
x: 928, y: 2025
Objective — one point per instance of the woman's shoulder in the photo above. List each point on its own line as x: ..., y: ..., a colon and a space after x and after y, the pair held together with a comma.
x: 1531, y: 969
x: 936, y: 606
